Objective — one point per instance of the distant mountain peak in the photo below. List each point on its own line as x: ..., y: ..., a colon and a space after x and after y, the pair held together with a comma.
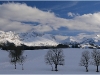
x: 29, y: 38
x: 38, y: 39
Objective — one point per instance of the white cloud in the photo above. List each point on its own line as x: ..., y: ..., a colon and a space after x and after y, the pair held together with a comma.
x: 42, y: 28
x: 22, y: 12
x: 87, y: 22
x: 12, y: 16
x: 72, y: 14
x: 61, y: 37
x: 7, y: 25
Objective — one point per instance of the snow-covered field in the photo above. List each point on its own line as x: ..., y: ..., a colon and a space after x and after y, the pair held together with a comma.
x: 35, y: 63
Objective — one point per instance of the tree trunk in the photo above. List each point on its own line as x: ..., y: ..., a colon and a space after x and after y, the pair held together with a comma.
x: 15, y: 65
x: 22, y: 67
x: 52, y: 67
x: 97, y: 69
x: 56, y: 67
x: 86, y: 69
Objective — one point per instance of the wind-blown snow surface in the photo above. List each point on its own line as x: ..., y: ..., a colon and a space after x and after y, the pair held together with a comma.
x: 35, y: 63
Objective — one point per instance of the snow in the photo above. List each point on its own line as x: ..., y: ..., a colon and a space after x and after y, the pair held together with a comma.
x: 29, y: 39
x: 38, y: 39
x: 35, y: 63
x: 45, y: 40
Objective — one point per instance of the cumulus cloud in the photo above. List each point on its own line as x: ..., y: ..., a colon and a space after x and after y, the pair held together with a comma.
x: 87, y: 22
x: 42, y: 28
x: 14, y: 15
x: 7, y: 25
x: 72, y: 14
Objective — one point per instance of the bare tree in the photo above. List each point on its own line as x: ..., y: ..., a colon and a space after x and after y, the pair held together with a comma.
x: 15, y: 55
x: 56, y: 57
x: 48, y: 59
x: 85, y: 59
x: 22, y: 60
x: 96, y: 58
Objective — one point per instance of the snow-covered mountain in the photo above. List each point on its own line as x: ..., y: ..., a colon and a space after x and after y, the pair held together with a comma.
x: 38, y: 39
x: 84, y: 40
x: 9, y: 36
x: 29, y: 39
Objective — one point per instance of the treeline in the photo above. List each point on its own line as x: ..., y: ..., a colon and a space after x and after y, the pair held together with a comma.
x: 12, y: 46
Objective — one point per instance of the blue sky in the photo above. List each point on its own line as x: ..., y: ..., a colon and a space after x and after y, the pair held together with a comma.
x: 54, y: 17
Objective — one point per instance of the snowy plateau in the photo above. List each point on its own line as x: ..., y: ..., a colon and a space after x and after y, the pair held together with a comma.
x: 35, y: 61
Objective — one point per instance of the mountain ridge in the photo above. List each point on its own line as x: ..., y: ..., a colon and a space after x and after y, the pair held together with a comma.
x: 29, y: 39
x: 39, y: 39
